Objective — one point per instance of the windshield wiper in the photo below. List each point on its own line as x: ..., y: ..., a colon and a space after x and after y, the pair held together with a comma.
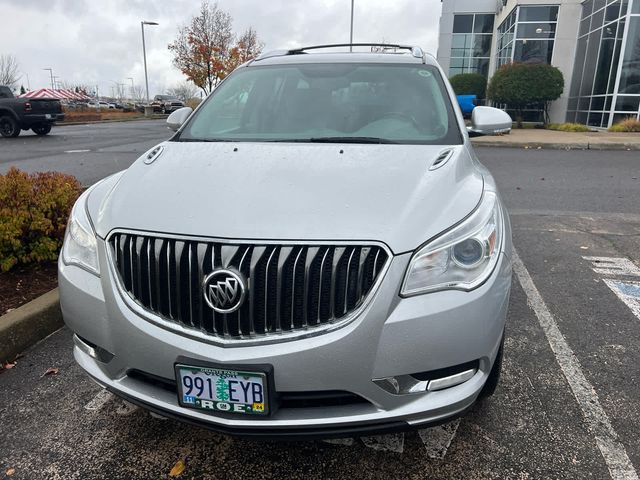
x: 350, y: 140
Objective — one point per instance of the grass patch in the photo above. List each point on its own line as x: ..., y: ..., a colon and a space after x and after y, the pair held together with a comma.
x: 568, y: 127
x: 628, y: 125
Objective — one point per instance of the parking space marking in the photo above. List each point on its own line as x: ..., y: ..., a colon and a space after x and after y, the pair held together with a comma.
x: 612, y: 450
x: 437, y: 440
x: 76, y: 151
x: 613, y: 266
x: 393, y: 442
x: 628, y: 292
x: 100, y: 400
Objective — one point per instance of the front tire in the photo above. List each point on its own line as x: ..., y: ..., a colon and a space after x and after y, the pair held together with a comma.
x: 494, y: 377
x: 9, y: 128
x: 41, y: 129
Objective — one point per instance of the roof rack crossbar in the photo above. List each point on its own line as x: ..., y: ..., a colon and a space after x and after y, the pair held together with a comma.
x: 415, y: 51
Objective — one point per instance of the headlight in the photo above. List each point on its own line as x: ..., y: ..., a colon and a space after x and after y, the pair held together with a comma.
x: 80, y: 246
x: 463, y: 257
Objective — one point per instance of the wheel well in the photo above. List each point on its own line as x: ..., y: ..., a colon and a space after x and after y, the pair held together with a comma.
x: 6, y: 111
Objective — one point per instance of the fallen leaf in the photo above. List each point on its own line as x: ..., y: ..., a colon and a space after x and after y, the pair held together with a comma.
x: 51, y: 371
x: 177, y: 469
x: 10, y: 472
x: 8, y: 365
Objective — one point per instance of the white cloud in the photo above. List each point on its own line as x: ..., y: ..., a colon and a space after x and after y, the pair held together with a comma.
x: 99, y: 42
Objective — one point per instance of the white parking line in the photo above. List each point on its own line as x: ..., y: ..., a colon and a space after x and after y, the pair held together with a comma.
x: 613, y: 266
x: 613, y: 452
x: 76, y: 151
x: 628, y: 292
x: 99, y: 401
x: 437, y: 440
x: 393, y: 442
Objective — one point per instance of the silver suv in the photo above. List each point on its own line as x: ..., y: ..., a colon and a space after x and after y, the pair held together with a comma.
x: 316, y: 252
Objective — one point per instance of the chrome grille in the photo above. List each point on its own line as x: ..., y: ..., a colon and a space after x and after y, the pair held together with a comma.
x: 290, y: 287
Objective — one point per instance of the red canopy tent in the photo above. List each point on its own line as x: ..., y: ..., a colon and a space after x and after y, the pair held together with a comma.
x: 59, y: 94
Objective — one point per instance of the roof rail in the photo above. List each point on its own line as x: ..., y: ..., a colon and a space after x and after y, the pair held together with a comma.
x: 415, y: 51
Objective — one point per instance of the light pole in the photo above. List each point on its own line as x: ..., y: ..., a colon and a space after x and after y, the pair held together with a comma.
x: 144, y: 55
x: 50, y: 73
x: 351, y: 34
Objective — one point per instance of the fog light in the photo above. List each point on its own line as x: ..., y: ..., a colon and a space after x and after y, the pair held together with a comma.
x: 430, y: 381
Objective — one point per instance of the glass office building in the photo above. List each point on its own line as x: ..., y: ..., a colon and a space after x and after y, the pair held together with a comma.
x: 594, y: 43
x: 471, y: 43
x: 527, y: 35
x: 605, y: 87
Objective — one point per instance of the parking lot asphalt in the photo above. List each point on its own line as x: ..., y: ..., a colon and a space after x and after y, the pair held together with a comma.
x: 568, y: 405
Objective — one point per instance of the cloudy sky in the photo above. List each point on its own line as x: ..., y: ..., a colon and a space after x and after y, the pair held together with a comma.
x: 98, y: 42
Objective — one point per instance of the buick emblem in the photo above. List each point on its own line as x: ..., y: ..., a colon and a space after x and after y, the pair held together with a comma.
x: 224, y: 290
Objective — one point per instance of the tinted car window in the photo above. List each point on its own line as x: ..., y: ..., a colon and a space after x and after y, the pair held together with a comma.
x: 396, y: 103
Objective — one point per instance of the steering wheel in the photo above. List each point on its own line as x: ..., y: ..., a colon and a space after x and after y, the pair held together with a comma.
x: 403, y: 116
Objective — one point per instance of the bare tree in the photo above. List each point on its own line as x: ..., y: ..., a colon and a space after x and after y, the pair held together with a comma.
x: 138, y: 94
x: 9, y: 71
x: 184, y: 91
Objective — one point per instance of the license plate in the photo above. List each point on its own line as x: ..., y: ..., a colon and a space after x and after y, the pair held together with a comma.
x: 222, y: 390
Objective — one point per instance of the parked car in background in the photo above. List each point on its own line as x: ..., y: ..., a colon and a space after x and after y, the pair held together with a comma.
x: 467, y: 104
x: 166, y: 104
x: 101, y: 104
x: 37, y: 114
x: 332, y: 260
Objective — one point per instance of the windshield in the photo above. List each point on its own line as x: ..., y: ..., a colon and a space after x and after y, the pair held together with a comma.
x: 358, y: 103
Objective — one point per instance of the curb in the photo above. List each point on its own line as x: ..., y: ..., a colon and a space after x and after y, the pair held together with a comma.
x: 28, y: 324
x: 559, y: 146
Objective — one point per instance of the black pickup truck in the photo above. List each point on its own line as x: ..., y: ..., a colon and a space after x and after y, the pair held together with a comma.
x: 37, y: 114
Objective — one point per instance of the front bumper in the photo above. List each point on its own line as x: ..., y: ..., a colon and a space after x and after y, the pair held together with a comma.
x: 391, y: 337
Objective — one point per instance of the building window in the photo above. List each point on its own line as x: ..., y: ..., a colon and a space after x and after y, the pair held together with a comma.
x: 527, y: 35
x: 597, y: 96
x: 471, y: 44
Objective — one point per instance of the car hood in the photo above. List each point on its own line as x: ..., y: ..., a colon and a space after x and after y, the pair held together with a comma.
x: 292, y: 192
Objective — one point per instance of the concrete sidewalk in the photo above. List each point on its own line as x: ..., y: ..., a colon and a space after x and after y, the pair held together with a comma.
x: 539, y: 138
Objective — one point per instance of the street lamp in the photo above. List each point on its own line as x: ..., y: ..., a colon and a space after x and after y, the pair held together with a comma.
x: 351, y: 32
x: 144, y: 55
x: 51, y: 73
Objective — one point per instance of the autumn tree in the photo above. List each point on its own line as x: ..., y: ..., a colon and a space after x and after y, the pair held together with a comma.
x: 206, y: 50
x: 9, y: 71
x: 246, y: 48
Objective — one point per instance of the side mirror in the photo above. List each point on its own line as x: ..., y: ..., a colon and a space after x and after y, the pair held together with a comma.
x: 177, y: 118
x: 489, y: 121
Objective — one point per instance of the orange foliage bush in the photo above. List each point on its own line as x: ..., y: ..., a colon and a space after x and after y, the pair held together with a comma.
x: 34, y: 209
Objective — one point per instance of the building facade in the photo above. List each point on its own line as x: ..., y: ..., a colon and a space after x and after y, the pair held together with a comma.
x: 594, y: 43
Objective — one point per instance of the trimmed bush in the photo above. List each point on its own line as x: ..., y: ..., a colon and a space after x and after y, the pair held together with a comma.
x: 568, y: 127
x: 520, y: 84
x: 628, y: 125
x: 469, y: 84
x: 34, y: 209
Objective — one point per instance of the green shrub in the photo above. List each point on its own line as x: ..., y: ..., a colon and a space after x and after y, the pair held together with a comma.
x: 522, y: 84
x: 629, y: 125
x: 568, y: 127
x: 34, y: 209
x: 469, y: 84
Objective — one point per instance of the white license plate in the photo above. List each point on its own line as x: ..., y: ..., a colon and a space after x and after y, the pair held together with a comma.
x: 222, y: 390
